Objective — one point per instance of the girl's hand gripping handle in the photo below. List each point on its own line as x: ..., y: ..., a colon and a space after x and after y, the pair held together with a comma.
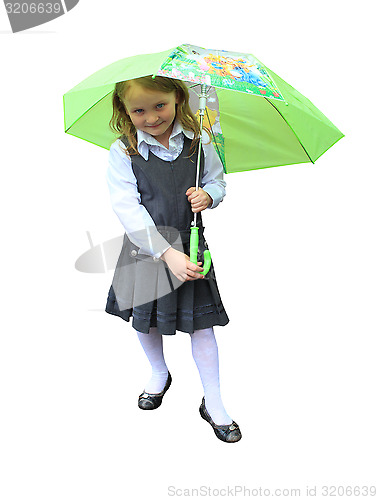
x: 194, y: 251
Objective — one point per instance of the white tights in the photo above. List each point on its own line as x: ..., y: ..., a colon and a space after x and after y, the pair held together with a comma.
x: 205, y: 354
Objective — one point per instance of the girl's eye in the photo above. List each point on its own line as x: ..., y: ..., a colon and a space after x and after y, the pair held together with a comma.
x: 159, y: 106
x: 138, y: 111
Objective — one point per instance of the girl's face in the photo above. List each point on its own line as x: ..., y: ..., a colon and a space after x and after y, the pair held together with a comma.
x: 151, y: 111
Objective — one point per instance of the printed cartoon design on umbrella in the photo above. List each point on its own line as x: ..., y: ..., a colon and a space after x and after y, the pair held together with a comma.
x: 220, y: 69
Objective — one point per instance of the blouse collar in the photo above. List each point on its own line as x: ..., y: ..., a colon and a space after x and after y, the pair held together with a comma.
x: 145, y: 140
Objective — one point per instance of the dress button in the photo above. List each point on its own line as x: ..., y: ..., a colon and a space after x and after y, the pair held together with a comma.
x: 133, y: 253
x: 155, y: 259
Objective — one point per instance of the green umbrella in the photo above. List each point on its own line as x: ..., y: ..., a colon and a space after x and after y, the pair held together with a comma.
x: 256, y: 118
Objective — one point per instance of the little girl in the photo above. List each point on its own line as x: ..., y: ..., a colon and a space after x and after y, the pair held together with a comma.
x: 151, y: 178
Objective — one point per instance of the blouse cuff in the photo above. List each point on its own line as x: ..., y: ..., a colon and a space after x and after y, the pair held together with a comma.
x: 149, y: 241
x: 215, y: 195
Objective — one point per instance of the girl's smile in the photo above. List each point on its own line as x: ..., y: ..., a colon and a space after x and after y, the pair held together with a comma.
x: 151, y: 111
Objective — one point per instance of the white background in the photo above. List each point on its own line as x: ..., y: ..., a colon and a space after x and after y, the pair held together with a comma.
x: 295, y: 253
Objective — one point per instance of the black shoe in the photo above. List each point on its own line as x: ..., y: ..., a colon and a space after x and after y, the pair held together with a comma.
x: 227, y: 433
x: 148, y: 401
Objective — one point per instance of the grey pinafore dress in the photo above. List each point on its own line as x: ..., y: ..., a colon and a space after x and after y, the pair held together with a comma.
x: 143, y: 287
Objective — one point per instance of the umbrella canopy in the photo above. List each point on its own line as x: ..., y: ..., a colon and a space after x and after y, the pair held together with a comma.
x: 258, y: 120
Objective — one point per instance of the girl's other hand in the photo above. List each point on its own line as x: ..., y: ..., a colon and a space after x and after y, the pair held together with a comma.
x: 199, y: 199
x: 180, y: 265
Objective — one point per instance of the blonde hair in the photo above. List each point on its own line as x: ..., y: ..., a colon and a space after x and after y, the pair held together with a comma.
x: 121, y: 122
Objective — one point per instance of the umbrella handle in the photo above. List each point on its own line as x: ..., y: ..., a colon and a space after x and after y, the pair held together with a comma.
x: 194, y: 251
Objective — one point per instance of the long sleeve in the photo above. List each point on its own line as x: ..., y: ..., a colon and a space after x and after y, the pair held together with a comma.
x: 212, y: 179
x: 126, y: 203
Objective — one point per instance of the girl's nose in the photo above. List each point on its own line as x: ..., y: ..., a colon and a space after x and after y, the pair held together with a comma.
x: 152, y: 118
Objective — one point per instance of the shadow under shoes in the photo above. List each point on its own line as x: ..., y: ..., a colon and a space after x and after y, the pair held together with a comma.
x: 227, y: 433
x: 148, y: 401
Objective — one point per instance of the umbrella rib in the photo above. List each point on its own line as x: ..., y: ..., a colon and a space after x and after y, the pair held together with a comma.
x: 93, y: 105
x: 304, y: 149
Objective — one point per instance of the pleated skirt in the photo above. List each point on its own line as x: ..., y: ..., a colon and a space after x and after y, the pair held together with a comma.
x: 145, y: 290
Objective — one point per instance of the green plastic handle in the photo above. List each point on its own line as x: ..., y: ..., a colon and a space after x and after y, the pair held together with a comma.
x: 194, y: 239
